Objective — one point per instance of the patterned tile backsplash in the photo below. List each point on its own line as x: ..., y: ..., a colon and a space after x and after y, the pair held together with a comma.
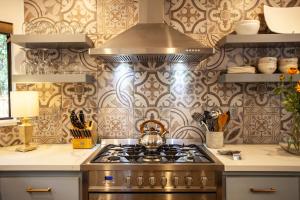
x: 125, y: 95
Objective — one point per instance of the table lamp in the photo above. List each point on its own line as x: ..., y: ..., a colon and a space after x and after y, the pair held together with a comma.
x: 25, y: 105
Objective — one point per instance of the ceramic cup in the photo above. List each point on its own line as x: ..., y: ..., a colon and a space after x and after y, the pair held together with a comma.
x: 286, y: 63
x: 215, y: 140
x: 267, y: 65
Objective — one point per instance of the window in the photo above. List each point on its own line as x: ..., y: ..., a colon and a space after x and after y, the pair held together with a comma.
x: 5, y: 68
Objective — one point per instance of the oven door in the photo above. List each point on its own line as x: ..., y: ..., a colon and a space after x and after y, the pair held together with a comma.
x: 152, y: 196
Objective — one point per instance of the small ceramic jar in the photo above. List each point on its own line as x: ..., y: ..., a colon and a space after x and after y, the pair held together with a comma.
x: 286, y: 63
x: 267, y: 65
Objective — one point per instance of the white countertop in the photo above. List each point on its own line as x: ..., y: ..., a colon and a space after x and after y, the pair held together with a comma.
x: 62, y: 157
x: 259, y: 158
x: 51, y: 157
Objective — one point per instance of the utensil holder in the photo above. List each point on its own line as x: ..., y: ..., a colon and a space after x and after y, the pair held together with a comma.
x: 87, y: 139
x: 215, y: 140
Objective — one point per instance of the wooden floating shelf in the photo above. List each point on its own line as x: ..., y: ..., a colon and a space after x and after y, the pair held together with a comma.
x: 253, y: 78
x: 260, y: 40
x: 58, y: 41
x: 53, y: 78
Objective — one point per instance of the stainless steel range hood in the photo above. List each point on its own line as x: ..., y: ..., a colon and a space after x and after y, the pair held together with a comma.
x: 152, y: 40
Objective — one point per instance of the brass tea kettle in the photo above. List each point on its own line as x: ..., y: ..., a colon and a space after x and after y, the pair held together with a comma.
x: 152, y: 138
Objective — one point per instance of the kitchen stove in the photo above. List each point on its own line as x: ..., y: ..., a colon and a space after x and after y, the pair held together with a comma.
x: 169, y: 153
x: 173, y: 171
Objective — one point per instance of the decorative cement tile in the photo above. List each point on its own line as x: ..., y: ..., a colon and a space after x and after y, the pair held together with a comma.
x: 223, y: 94
x: 115, y: 123
x: 115, y: 16
x: 152, y: 89
x: 80, y: 15
x: 261, y: 125
x: 79, y: 95
x: 9, y: 135
x: 188, y: 16
x: 261, y: 94
x: 188, y: 88
x: 183, y: 126
x: 223, y: 14
x: 47, y: 128
x: 115, y: 88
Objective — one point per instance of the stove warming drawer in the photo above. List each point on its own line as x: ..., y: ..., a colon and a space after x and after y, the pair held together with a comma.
x: 152, y: 196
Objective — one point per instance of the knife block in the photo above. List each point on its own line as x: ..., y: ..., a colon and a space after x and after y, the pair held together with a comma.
x: 84, y: 141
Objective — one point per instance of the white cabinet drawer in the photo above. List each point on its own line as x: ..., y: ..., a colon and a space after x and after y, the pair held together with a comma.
x: 61, y: 188
x: 262, y: 188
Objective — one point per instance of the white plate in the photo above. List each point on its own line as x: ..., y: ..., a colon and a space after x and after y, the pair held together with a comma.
x: 282, y: 20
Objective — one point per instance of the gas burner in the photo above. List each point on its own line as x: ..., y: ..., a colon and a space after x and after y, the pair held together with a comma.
x: 172, y: 153
x: 113, y: 158
x: 151, y: 159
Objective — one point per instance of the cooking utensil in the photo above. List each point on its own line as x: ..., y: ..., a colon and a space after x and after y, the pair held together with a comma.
x: 228, y: 119
x: 222, y: 120
x: 152, y: 139
x: 198, y: 117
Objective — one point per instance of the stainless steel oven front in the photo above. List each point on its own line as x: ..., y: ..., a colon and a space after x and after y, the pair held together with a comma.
x: 152, y: 181
x: 159, y: 181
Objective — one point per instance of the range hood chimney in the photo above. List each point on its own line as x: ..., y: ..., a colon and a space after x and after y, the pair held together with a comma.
x: 152, y: 40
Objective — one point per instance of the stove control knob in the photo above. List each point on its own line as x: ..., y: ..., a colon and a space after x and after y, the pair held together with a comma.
x: 152, y: 181
x: 175, y: 181
x: 128, y: 181
x: 163, y: 181
x: 188, y: 181
x: 140, y: 181
x: 203, y: 181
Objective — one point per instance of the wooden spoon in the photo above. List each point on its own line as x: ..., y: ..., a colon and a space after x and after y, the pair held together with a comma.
x: 222, y: 120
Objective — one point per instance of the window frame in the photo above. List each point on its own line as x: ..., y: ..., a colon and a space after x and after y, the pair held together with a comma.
x: 6, y: 28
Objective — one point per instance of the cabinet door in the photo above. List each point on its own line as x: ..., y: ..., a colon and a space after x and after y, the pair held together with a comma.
x: 262, y: 188
x: 39, y: 188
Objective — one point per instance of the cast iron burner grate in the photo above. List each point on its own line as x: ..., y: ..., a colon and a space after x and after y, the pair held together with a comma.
x: 169, y: 153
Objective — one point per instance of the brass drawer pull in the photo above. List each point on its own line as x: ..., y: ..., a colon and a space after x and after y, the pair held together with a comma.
x: 267, y: 190
x: 30, y: 189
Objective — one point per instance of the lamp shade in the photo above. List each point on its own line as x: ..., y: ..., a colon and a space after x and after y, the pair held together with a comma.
x: 24, y: 103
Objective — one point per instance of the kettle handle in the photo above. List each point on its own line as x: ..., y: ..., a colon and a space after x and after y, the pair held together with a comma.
x: 162, y: 127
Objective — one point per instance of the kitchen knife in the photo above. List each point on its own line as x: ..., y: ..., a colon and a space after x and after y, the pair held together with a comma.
x: 75, y: 121
x: 82, y: 117
x: 71, y: 131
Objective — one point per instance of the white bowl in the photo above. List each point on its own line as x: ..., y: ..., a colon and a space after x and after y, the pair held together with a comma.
x: 267, y: 65
x: 247, y: 27
x: 267, y: 68
x: 286, y: 63
x: 282, y: 20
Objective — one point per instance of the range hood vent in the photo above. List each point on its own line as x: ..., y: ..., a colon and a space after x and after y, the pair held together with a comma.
x: 152, y: 40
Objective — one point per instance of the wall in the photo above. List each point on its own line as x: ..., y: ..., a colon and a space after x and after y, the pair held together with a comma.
x: 125, y: 94
x: 13, y: 11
